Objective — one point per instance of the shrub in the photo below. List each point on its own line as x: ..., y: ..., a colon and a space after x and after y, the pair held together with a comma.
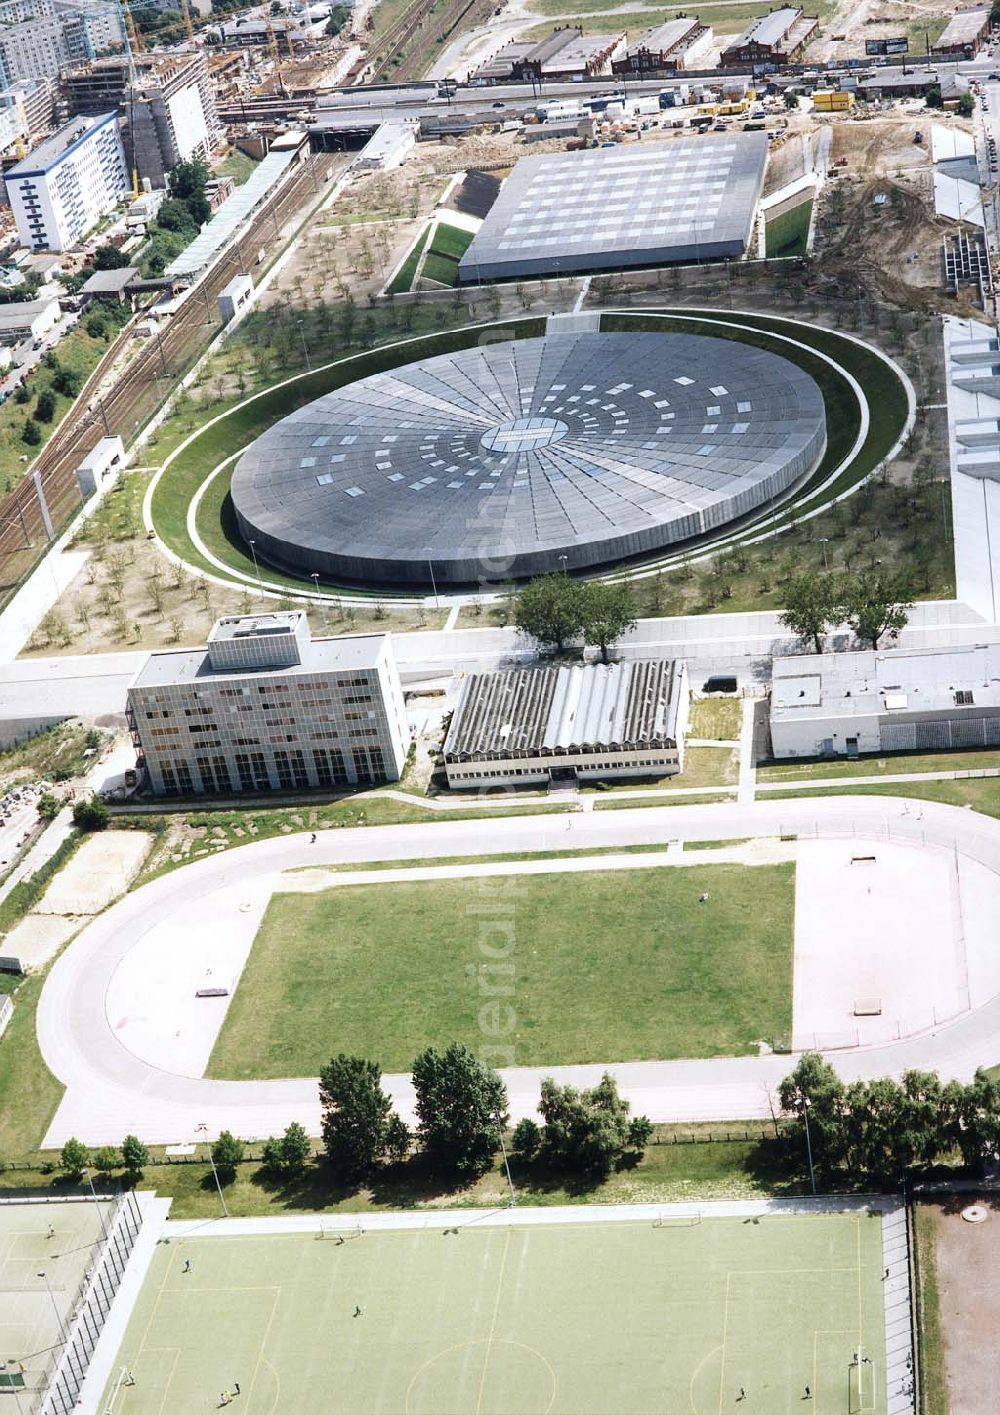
x: 90, y: 814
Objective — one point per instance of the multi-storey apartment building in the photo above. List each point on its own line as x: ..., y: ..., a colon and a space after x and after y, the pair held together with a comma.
x: 264, y: 707
x: 66, y: 184
x: 170, y: 111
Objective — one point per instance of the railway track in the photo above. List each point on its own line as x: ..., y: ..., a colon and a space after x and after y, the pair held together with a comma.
x: 139, y: 392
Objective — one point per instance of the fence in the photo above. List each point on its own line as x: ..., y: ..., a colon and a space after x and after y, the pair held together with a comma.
x: 6, y: 1012
x: 58, y: 1387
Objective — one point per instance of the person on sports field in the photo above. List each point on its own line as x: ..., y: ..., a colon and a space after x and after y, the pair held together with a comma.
x: 358, y: 1312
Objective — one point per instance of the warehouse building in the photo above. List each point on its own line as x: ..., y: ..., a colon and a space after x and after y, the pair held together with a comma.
x: 68, y: 183
x: 965, y: 34
x: 680, y: 44
x: 779, y: 37
x: 692, y: 199
x: 264, y: 707
x: 564, y: 54
x: 921, y: 700
x: 587, y: 722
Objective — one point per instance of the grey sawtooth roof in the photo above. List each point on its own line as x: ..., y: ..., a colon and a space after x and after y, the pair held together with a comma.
x: 546, y: 710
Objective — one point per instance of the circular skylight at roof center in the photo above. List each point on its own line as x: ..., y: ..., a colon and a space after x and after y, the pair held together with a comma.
x: 507, y: 460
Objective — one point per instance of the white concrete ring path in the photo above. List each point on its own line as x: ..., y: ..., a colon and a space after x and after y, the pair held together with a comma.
x: 111, y: 1092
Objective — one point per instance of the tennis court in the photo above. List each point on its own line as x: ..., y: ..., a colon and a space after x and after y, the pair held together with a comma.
x: 45, y: 1251
x: 537, y: 1318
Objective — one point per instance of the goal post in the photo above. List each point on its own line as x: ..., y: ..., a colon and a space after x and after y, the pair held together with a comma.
x: 667, y: 1219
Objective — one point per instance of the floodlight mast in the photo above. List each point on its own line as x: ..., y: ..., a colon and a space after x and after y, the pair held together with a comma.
x: 506, y: 1162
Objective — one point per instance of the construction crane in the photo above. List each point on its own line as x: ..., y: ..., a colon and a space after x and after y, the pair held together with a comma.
x: 186, y: 17
x: 133, y: 45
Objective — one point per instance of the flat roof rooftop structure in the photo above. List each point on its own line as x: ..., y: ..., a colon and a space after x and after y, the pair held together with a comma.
x: 964, y: 28
x: 885, y: 681
x: 553, y: 709
x: 21, y: 314
x: 518, y: 458
x: 610, y: 208
x: 231, y: 214
x: 52, y: 151
x: 109, y: 282
x: 167, y: 666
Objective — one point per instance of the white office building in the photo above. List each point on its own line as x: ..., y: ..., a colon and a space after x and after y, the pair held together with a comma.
x: 899, y: 700
x: 68, y: 183
x: 264, y: 707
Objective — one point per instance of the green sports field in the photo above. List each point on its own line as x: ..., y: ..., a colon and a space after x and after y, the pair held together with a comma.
x: 614, y: 1318
x: 606, y: 965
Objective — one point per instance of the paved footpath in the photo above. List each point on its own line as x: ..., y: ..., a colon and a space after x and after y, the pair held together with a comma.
x: 110, y: 1091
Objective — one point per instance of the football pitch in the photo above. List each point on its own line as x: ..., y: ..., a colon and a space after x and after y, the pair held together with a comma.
x: 529, y: 1318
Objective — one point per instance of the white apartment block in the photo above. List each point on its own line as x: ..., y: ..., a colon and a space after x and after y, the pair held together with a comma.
x: 68, y: 183
x: 264, y: 707
x: 34, y: 49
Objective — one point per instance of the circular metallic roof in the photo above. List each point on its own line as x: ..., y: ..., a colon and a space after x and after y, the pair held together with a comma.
x: 508, y: 460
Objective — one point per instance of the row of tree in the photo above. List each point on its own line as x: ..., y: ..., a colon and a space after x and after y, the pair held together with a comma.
x: 461, y: 1106
x: 877, y: 1131
x: 884, y: 1128
x: 554, y: 609
x: 871, y: 603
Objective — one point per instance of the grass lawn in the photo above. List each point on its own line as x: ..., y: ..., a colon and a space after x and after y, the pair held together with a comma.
x: 626, y: 803
x: 447, y: 248
x: 716, y: 718
x: 901, y: 763
x: 237, y: 165
x: 703, y: 766
x: 29, y: 1093
x: 933, y: 1372
x: 787, y: 234
x: 604, y: 968
x: 403, y: 279
x: 76, y: 351
x: 510, y: 1319
x: 981, y: 793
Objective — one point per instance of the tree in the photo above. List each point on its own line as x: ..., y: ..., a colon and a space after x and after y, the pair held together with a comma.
x: 31, y: 433
x: 814, y: 1081
x: 105, y: 1159
x: 74, y: 1157
x: 23, y: 393
x: 526, y: 1140
x: 550, y: 609
x: 109, y: 258
x: 90, y: 814
x: 188, y: 179
x: 461, y: 1109
x: 966, y: 105
x: 66, y: 382
x: 876, y: 602
x: 397, y: 1139
x: 587, y: 1131
x: 356, y: 1115
x: 791, y: 99
x: 933, y: 97
x: 608, y: 612
x: 289, y: 1155
x: 48, y: 806
x: 174, y: 215
x: 812, y: 607
x: 45, y: 407
x: 135, y: 1155
x: 227, y: 1153
x: 973, y: 1119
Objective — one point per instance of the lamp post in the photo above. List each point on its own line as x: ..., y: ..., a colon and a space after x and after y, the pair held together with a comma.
x: 562, y: 562
x: 253, y: 552
x: 55, y: 1308
x: 97, y: 1205
x: 806, y: 1103
x: 506, y: 1162
x: 203, y: 1129
x: 823, y: 540
x: 322, y: 601
x: 305, y: 346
